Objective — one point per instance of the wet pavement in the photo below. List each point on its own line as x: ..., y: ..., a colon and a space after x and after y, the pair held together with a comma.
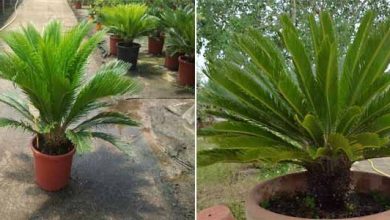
x: 152, y: 178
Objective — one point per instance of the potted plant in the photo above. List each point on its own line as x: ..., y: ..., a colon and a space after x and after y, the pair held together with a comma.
x: 130, y: 22
x: 181, y: 40
x: 60, y: 107
x: 168, y: 21
x: 156, y: 37
x: 318, y: 109
x: 107, y: 16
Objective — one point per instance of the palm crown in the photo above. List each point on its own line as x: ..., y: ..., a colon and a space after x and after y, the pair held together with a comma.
x: 180, y: 25
x: 50, y: 69
x: 282, y: 105
x: 128, y: 21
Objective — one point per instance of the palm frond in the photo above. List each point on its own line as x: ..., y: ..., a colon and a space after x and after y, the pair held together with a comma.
x: 106, y: 118
x: 281, y: 105
x: 6, y: 122
x: 128, y: 21
x: 50, y: 69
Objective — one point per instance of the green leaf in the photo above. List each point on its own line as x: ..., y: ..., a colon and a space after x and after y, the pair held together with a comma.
x: 268, y: 154
x: 312, y: 127
x: 301, y: 61
x: 82, y: 140
x: 351, y: 61
x: 6, y: 122
x: 106, y: 118
x: 369, y: 139
x: 17, y: 104
x: 349, y: 118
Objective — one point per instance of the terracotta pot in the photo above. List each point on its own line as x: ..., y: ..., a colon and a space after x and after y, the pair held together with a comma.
x: 172, y: 62
x: 114, y: 40
x: 296, y: 182
x: 99, y: 26
x: 218, y: 212
x: 155, y: 45
x: 52, y: 172
x: 186, y: 76
x: 77, y: 5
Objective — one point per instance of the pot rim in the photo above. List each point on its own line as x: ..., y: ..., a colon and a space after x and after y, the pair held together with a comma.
x: 48, y: 156
x: 133, y: 45
x: 252, y: 203
x: 115, y: 36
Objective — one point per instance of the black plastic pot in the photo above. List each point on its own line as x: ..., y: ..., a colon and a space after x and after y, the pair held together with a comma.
x: 129, y: 53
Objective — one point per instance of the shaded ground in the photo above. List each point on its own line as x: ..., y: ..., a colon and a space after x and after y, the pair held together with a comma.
x: 151, y: 179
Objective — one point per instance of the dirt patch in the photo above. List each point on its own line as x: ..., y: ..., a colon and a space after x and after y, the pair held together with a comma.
x: 303, y: 205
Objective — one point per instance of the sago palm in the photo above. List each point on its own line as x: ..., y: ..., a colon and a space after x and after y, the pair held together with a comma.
x: 128, y: 21
x: 319, y: 109
x: 50, y: 69
x: 180, y: 28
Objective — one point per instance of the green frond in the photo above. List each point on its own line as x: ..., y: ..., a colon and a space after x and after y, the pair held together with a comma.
x: 292, y: 105
x: 110, y: 139
x: 50, y: 69
x: 108, y: 81
x: 180, y: 31
x: 6, y: 122
x: 303, y: 68
x: 81, y: 140
x: 13, y: 101
x: 128, y: 21
x: 106, y: 118
x: 248, y: 155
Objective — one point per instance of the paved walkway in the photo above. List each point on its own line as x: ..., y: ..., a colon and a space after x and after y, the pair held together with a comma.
x: 140, y: 182
x: 382, y: 164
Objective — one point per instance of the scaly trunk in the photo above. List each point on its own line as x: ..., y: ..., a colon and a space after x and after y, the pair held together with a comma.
x: 329, y: 181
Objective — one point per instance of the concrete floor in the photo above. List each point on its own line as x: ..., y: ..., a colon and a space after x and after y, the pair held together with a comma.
x: 151, y: 179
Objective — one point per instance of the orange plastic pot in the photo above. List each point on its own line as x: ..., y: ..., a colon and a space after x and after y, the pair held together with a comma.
x: 113, y: 42
x: 186, y: 76
x: 155, y: 45
x: 77, y: 5
x: 172, y: 62
x: 52, y: 172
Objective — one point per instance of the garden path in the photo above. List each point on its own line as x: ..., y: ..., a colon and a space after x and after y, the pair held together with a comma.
x: 146, y: 181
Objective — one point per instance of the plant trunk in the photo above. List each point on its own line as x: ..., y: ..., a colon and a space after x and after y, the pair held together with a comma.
x: 329, y: 182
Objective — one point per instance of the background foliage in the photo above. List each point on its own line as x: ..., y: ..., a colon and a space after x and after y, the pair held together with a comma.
x: 219, y: 19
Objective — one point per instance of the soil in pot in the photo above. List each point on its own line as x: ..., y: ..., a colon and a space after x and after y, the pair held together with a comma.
x: 155, y: 45
x: 128, y: 52
x: 113, y: 44
x: 52, y: 172
x: 186, y: 76
x: 302, y: 205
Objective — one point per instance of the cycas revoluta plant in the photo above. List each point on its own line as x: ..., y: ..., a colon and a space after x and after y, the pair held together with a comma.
x: 50, y: 69
x: 322, y: 112
x: 180, y: 25
x: 128, y: 21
